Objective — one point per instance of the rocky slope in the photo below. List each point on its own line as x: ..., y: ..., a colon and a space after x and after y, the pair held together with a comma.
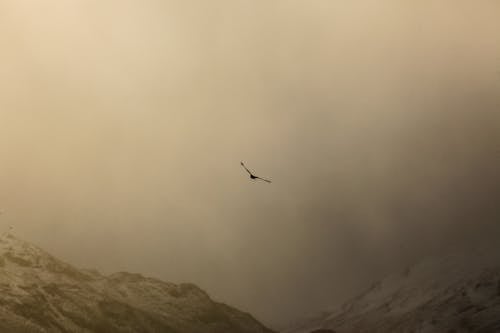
x: 39, y: 293
x: 454, y: 293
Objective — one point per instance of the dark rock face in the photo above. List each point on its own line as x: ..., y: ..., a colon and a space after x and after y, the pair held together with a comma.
x: 323, y: 331
x: 39, y: 293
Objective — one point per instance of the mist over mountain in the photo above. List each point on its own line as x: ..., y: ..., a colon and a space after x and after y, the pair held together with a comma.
x: 123, y: 124
x: 457, y: 292
x: 39, y: 293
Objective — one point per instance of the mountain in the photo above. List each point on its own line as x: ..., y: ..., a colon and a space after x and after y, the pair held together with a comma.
x: 447, y: 294
x: 39, y: 293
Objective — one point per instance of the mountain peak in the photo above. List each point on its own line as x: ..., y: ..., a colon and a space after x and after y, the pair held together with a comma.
x: 7, y: 239
x: 19, y: 252
x: 42, y: 293
x: 455, y: 292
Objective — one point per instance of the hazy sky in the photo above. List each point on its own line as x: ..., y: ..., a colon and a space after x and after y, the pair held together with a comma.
x: 122, y: 125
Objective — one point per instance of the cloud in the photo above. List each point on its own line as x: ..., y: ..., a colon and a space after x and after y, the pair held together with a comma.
x: 123, y: 126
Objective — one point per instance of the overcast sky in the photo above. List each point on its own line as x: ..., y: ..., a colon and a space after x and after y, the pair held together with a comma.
x: 123, y: 123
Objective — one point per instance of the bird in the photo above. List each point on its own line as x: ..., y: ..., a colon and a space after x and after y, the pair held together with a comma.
x: 252, y: 176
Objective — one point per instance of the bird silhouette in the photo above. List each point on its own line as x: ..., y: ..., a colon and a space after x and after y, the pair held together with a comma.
x: 252, y: 176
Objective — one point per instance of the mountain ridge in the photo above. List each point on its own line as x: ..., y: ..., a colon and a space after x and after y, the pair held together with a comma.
x: 458, y: 292
x: 41, y: 293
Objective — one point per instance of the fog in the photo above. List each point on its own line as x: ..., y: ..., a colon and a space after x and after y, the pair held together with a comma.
x: 123, y: 123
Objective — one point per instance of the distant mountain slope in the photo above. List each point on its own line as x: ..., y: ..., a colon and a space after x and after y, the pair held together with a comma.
x: 39, y: 293
x: 455, y: 293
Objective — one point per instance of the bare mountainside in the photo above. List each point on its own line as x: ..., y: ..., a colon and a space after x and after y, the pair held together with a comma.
x: 450, y: 294
x: 39, y: 293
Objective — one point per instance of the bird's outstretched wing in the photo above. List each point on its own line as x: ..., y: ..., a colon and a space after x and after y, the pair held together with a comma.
x: 249, y: 172
x: 266, y: 180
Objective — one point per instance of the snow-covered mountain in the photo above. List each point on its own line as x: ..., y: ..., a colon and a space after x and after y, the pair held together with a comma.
x: 453, y: 293
x: 39, y: 293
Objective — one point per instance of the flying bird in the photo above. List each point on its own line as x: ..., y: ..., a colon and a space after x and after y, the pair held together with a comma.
x: 252, y: 176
